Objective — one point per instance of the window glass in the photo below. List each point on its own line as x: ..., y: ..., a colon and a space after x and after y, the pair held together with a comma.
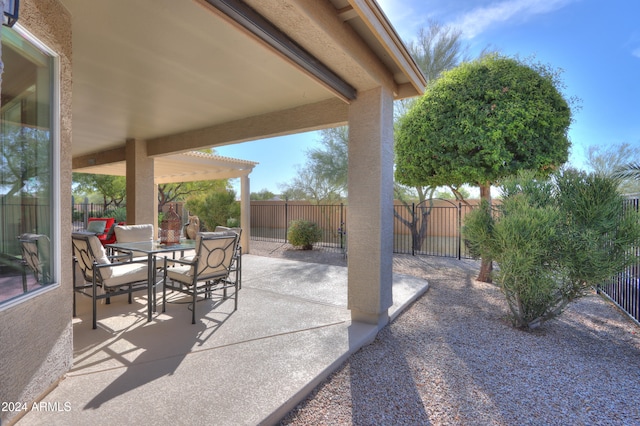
x: 26, y: 172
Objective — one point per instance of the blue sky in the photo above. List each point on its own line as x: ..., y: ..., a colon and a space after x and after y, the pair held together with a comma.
x: 596, y: 43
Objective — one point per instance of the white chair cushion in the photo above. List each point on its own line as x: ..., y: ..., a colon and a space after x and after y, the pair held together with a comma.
x: 101, y: 256
x: 134, y: 233
x: 181, y: 273
x: 184, y: 273
x: 228, y: 231
x: 125, y: 274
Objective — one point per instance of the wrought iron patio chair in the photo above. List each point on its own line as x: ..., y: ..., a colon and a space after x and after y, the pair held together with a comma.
x: 35, y: 250
x: 236, y: 264
x: 113, y: 275
x: 206, y: 272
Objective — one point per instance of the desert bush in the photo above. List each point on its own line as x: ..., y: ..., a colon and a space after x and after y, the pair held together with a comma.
x: 214, y: 208
x: 119, y: 213
x: 553, y: 240
x: 304, y: 233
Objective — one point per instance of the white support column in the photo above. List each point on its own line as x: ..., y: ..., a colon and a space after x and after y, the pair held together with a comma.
x: 245, y: 213
x: 370, y: 208
x: 141, y: 189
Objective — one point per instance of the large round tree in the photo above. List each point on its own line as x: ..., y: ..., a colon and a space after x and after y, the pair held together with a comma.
x: 483, y: 121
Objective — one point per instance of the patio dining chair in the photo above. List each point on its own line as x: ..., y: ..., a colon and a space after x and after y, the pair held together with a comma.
x: 35, y: 250
x: 206, y: 272
x: 236, y: 264
x: 105, y: 276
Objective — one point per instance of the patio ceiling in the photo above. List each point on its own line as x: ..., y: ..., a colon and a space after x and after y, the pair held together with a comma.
x: 165, y: 71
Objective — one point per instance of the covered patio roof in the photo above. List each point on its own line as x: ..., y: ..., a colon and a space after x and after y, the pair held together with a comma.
x: 184, y: 167
x: 187, y: 75
x: 156, y: 78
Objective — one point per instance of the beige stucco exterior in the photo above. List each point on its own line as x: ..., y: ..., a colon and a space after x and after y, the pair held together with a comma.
x: 142, y: 200
x: 370, y: 213
x: 158, y: 106
x: 36, y: 336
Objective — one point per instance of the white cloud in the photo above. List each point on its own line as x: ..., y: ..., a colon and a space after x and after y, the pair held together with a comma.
x: 483, y: 18
x: 636, y: 52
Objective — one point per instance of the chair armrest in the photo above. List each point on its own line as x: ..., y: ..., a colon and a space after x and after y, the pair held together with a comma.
x: 191, y: 262
x: 123, y: 255
x: 105, y: 265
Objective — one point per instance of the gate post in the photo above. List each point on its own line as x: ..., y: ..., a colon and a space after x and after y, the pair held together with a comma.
x: 342, y: 226
x: 459, y: 230
x: 286, y: 221
x: 413, y: 221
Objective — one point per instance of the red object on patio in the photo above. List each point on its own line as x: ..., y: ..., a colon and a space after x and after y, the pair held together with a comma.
x: 106, y: 235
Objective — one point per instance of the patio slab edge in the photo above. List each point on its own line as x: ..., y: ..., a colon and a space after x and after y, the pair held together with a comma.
x: 360, y: 334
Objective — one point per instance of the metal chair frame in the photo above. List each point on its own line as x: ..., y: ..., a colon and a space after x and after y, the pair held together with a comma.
x: 236, y: 264
x: 33, y: 259
x: 209, y: 270
x: 94, y: 274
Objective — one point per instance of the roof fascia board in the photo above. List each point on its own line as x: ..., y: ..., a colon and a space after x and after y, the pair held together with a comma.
x: 331, y: 21
x: 379, y: 25
x: 248, y: 19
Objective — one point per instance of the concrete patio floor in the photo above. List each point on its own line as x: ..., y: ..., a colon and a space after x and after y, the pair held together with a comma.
x: 248, y: 367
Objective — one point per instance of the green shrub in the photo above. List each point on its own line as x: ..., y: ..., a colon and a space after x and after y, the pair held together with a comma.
x: 476, y: 232
x: 553, y: 240
x: 303, y: 233
x: 214, y: 208
x: 119, y: 213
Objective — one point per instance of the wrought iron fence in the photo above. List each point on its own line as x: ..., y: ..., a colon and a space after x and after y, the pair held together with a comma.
x: 82, y: 212
x: 429, y: 228
x: 624, y: 289
x: 270, y: 221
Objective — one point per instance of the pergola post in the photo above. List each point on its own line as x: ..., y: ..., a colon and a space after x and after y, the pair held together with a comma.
x: 370, y: 214
x: 245, y: 213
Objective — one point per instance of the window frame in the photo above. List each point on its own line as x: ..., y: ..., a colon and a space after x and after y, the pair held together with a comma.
x: 55, y: 237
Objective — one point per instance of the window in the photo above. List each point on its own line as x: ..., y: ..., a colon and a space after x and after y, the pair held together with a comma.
x: 27, y: 171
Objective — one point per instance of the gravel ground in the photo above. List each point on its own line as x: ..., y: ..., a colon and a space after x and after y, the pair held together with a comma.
x: 453, y: 358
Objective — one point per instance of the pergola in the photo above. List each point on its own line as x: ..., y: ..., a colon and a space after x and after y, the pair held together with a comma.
x: 188, y: 166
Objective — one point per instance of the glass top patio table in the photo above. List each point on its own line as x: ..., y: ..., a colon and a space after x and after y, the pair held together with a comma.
x: 154, y: 247
x: 151, y: 248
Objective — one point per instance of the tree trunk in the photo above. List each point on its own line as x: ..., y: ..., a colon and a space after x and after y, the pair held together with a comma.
x: 486, y: 264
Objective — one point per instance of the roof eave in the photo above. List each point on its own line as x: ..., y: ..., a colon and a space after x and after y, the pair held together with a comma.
x: 381, y: 28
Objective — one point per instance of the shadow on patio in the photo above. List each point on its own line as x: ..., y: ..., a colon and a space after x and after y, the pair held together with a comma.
x: 251, y: 366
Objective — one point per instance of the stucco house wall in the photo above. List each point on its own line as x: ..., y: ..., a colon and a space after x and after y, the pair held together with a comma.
x: 36, y: 335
